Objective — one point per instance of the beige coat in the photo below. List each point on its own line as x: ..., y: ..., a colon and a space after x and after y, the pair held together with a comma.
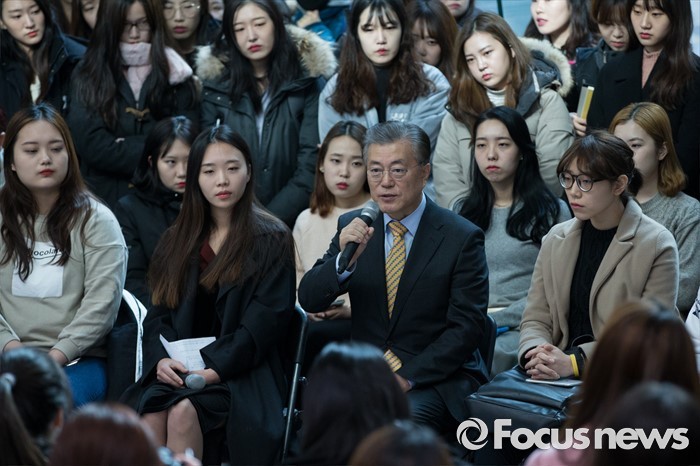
x: 540, y: 103
x: 641, y: 262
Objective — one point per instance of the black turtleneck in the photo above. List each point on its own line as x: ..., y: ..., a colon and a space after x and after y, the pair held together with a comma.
x: 383, y: 75
x: 594, y: 245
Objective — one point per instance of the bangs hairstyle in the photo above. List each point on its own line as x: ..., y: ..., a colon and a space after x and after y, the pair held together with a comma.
x: 19, y: 208
x: 653, y: 119
x: 437, y: 22
x: 283, y: 63
x: 602, y: 156
x: 611, y: 12
x: 535, y: 208
x: 322, y: 200
x: 158, y: 143
x: 253, y: 232
x: 582, y: 28
x: 39, y: 63
x: 642, y: 342
x: 676, y: 65
x: 468, y: 98
x: 101, y: 68
x: 356, y: 85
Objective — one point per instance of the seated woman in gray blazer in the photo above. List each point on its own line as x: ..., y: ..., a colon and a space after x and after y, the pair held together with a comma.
x: 608, y: 254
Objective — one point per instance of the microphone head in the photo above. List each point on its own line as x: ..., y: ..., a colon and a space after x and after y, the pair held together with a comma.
x: 195, y: 381
x: 369, y: 212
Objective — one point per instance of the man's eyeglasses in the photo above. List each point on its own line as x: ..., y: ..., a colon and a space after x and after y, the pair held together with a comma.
x: 396, y: 173
x: 584, y: 182
x: 188, y: 9
x: 141, y: 25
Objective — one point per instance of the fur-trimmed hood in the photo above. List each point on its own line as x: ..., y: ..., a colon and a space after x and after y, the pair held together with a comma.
x: 551, y: 66
x: 316, y: 54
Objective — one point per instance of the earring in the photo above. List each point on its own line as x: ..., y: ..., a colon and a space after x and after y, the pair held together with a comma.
x: 321, y: 170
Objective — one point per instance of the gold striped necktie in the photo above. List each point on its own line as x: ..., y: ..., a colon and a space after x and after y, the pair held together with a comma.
x: 394, y: 268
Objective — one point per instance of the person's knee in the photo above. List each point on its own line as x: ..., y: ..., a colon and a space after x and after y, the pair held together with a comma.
x: 182, y: 416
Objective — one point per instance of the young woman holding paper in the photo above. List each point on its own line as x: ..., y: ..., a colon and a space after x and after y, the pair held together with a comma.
x: 225, y: 269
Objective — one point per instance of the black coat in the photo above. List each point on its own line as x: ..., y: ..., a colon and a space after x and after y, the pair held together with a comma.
x: 439, y: 314
x: 284, y: 159
x: 247, y: 355
x: 620, y: 84
x: 144, y: 218
x: 109, y: 157
x: 64, y: 55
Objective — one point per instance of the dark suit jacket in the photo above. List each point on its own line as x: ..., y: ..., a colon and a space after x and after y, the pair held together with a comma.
x: 439, y: 314
x: 620, y: 84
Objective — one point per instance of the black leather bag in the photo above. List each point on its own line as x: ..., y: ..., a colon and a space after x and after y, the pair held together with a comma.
x: 529, y: 405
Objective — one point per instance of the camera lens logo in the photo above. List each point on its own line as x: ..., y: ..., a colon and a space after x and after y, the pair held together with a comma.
x: 463, y: 429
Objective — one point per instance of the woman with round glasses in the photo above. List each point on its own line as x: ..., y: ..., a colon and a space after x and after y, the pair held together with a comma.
x: 190, y: 25
x: 127, y: 81
x: 608, y: 254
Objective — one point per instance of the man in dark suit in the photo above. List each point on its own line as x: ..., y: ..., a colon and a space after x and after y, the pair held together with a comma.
x: 419, y: 290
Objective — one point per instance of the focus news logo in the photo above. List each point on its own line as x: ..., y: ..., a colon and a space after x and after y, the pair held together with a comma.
x: 472, y: 434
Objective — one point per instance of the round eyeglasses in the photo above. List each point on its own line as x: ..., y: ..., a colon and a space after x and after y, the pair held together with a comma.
x: 584, y: 182
x: 188, y: 9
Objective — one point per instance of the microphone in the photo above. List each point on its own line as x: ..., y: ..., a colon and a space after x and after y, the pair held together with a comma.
x: 195, y: 381
x: 368, y: 215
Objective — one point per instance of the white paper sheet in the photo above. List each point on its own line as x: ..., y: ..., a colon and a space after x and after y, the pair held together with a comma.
x: 187, y: 351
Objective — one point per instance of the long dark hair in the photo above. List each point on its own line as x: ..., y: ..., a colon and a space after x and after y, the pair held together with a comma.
x: 440, y: 25
x: 33, y: 390
x: 98, y: 75
x: 676, y: 65
x: 468, y: 98
x: 535, y: 209
x: 322, y: 198
x: 356, y: 86
x: 284, y: 63
x: 253, y: 232
x: 582, y: 28
x: 18, y: 207
x: 39, y: 62
x: 158, y: 143
x: 351, y: 392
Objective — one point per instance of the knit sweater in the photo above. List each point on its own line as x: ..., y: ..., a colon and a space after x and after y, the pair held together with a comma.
x: 69, y: 307
x: 510, y: 263
x: 681, y: 216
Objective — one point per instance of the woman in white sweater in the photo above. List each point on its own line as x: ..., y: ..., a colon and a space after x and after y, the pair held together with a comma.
x: 62, y: 254
x: 340, y: 187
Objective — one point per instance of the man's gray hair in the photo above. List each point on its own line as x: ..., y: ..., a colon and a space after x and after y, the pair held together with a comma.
x: 395, y: 131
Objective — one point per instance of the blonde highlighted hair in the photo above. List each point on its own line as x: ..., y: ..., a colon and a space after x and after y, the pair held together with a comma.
x: 653, y: 119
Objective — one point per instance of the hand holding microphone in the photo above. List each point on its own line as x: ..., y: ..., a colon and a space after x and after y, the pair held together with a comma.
x: 354, y: 237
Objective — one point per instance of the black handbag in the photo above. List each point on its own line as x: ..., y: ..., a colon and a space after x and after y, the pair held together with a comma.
x: 527, y: 405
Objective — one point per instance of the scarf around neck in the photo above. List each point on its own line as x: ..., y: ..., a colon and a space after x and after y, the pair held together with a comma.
x: 136, y: 59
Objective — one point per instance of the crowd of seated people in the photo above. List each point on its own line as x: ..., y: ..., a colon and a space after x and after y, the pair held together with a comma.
x: 408, y: 167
